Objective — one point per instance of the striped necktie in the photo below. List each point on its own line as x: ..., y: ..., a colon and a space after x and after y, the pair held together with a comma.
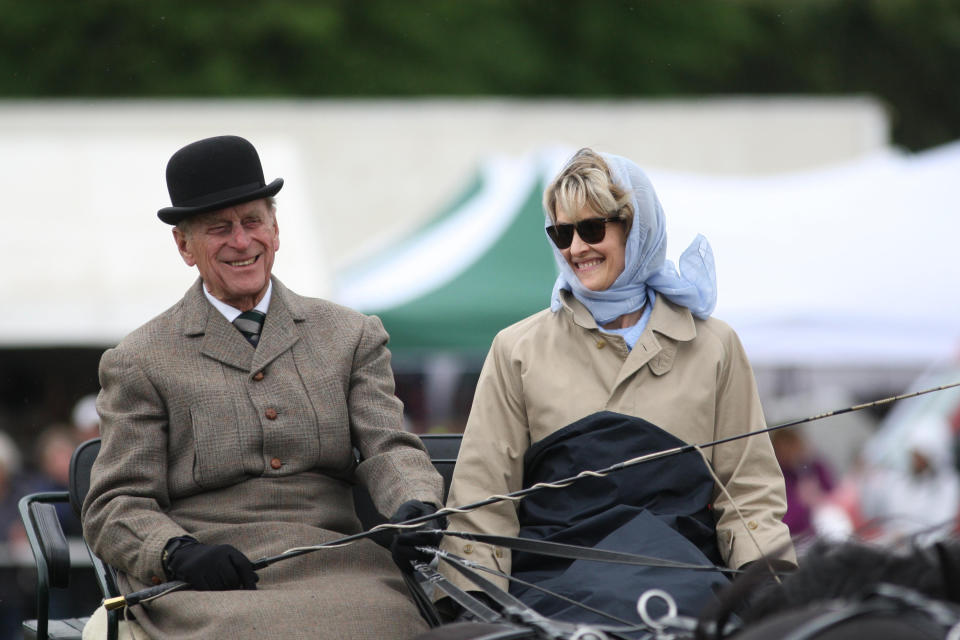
x: 249, y: 323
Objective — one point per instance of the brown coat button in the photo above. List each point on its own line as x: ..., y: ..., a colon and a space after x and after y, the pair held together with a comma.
x: 156, y: 580
x: 468, y: 548
x: 271, y: 414
x: 601, y: 344
x: 275, y: 463
x: 258, y: 376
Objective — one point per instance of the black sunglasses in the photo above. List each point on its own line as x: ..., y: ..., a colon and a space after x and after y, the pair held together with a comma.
x: 591, y: 231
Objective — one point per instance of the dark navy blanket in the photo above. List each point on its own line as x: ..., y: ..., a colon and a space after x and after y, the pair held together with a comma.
x: 659, y: 508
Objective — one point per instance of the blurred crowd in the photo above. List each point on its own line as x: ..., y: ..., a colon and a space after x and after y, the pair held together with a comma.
x: 899, y: 485
x: 45, y: 466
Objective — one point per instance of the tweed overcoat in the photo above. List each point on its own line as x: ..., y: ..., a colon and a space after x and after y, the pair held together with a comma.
x: 689, y: 377
x: 205, y: 435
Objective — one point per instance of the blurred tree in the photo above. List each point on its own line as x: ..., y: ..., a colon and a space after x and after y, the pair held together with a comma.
x: 906, y: 52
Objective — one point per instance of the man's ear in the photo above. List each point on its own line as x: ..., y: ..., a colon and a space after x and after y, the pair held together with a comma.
x: 181, y: 239
x: 276, y: 234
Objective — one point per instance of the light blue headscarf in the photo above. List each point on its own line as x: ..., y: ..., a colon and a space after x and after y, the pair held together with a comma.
x: 694, y: 285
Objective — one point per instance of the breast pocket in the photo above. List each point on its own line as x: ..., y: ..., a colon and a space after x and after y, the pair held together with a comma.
x: 217, y: 446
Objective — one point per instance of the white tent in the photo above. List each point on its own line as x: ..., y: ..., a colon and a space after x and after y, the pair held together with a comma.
x: 854, y: 263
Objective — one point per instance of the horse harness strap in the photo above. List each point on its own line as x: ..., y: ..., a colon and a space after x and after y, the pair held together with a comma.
x: 577, y: 552
x: 516, y: 612
x: 512, y: 607
x: 477, y: 609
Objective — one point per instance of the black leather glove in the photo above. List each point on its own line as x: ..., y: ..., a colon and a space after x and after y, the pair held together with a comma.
x: 403, y: 545
x: 207, y: 567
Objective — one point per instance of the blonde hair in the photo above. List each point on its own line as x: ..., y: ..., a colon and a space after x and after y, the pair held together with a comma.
x: 585, y: 181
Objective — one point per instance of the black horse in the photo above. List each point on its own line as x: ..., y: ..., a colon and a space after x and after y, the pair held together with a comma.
x: 848, y: 590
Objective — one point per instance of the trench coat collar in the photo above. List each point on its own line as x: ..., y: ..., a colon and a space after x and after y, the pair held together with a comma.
x: 667, y: 318
x: 672, y: 320
x: 219, y: 338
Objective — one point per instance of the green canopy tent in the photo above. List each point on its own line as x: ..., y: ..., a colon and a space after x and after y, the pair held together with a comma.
x: 447, y: 288
x: 480, y: 265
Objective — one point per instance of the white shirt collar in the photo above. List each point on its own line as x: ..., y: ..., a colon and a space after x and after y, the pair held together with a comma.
x: 231, y: 313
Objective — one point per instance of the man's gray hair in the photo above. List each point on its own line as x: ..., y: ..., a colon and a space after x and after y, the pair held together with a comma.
x: 185, y: 226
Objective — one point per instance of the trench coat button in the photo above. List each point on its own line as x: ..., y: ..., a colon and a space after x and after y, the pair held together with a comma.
x: 258, y: 376
x: 601, y: 344
x: 498, y: 552
x: 753, y: 524
x: 468, y: 548
x: 275, y: 463
x: 271, y: 414
x: 156, y: 580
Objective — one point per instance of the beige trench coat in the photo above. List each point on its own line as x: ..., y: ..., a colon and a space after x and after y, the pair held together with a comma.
x: 689, y: 377
x: 205, y: 435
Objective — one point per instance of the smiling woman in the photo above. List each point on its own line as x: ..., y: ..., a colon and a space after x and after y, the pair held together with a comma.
x: 627, y: 336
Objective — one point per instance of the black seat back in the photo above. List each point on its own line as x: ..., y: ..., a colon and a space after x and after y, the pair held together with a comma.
x: 443, y: 449
x: 80, y: 465
x: 51, y: 549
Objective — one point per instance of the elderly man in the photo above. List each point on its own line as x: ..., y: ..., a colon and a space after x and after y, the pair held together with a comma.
x: 229, y: 424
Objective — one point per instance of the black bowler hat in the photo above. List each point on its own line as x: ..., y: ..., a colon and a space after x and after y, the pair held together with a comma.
x: 212, y: 174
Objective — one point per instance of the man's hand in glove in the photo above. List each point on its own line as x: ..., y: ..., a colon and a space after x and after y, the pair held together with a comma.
x: 404, y: 544
x: 208, y: 567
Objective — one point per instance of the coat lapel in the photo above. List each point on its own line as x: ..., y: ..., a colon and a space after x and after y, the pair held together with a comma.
x: 221, y: 341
